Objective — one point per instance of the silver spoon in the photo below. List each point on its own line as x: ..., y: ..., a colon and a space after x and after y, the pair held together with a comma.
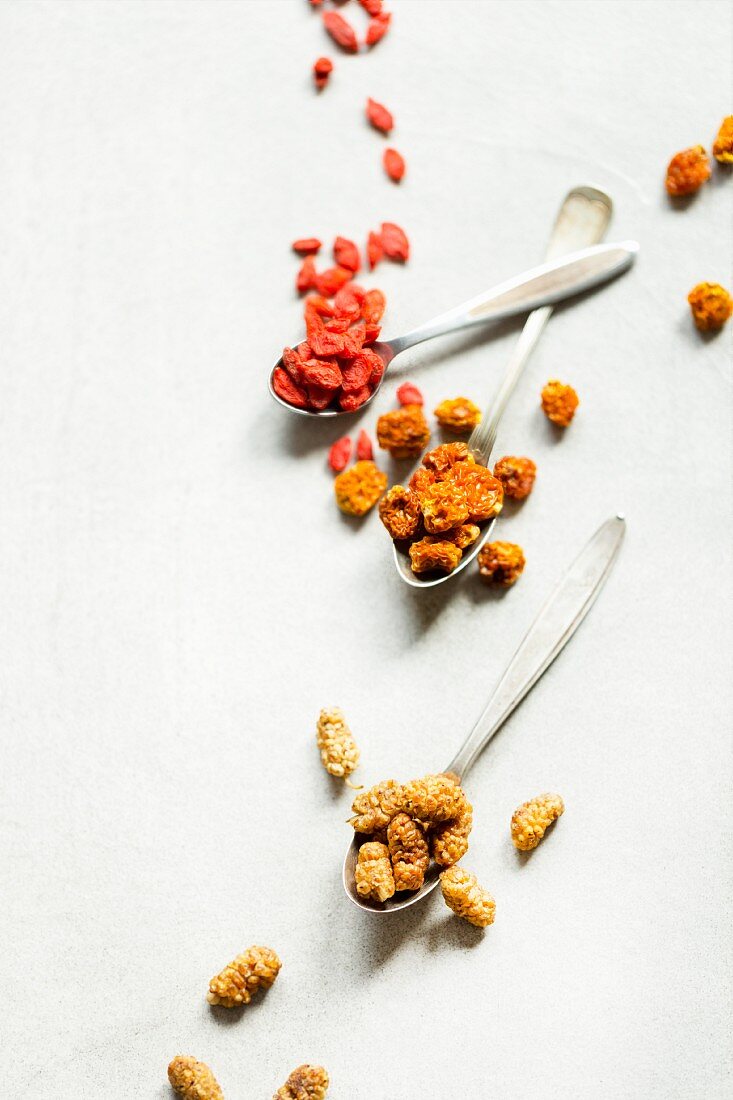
x: 555, y: 624
x: 541, y: 286
x: 582, y: 220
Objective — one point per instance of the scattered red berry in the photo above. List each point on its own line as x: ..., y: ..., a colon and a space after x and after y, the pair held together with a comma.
x: 346, y: 254
x: 322, y: 69
x: 394, y: 242
x: 375, y: 251
x: 409, y: 394
x: 394, y: 164
x: 306, y: 277
x: 372, y: 7
x: 306, y: 246
x: 380, y: 118
x: 377, y: 28
x: 340, y: 453
x: 364, y: 449
x: 341, y: 31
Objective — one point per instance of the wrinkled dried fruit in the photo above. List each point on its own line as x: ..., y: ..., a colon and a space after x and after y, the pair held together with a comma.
x: 375, y: 250
x: 340, y: 453
x: 443, y: 506
x: 306, y: 278
x: 434, y: 798
x: 559, y: 402
x: 364, y: 449
x: 394, y: 164
x: 408, y: 850
x: 193, y: 1080
x: 409, y: 394
x: 332, y: 279
x: 458, y: 415
x: 348, y: 301
x: 531, y: 821
x: 464, y: 535
x: 375, y: 808
x: 346, y: 254
x: 434, y: 555
x: 256, y: 968
x: 350, y: 402
x: 323, y: 373
x: 304, y: 1083
x: 399, y: 511
x: 394, y: 242
x: 723, y: 146
x: 378, y: 115
x: 322, y: 342
x: 403, y: 432
x: 358, y: 489
x: 288, y: 390
x: 341, y: 31
x: 306, y: 246
x: 293, y: 365
x: 711, y: 306
x: 516, y: 475
x: 372, y: 7
x: 373, y: 874
x: 502, y: 562
x: 373, y: 306
x: 466, y: 898
x: 449, y: 842
x: 377, y: 28
x: 355, y: 375
x: 484, y: 493
x: 339, y: 753
x: 687, y: 171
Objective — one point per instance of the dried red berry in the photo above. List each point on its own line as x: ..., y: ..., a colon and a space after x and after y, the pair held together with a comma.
x: 322, y: 342
x: 364, y: 449
x: 377, y: 28
x: 395, y: 243
x: 373, y: 306
x: 341, y: 31
x: 285, y: 388
x: 409, y: 394
x: 306, y: 277
x: 346, y: 254
x: 347, y: 302
x: 379, y: 116
x: 293, y: 365
x: 322, y: 373
x: 349, y: 402
x: 375, y: 250
x: 376, y: 365
x: 338, y: 324
x: 339, y: 454
x: 331, y: 280
x: 372, y: 7
x: 354, y: 340
x: 320, y: 305
x: 356, y: 374
x: 394, y: 164
x: 372, y: 333
x: 306, y: 246
x: 318, y: 398
x: 322, y: 69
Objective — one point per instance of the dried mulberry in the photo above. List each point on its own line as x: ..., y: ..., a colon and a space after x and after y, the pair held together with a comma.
x: 399, y: 511
x: 375, y: 808
x: 559, y: 402
x: 723, y: 147
x: 256, y: 968
x: 687, y: 171
x: 403, y: 432
x: 433, y: 798
x: 449, y: 842
x: 531, y: 820
x: 466, y: 898
x: 431, y: 555
x: 516, y: 476
x: 359, y: 488
x: 458, y: 415
x: 193, y: 1080
x: 304, y: 1083
x: 484, y: 493
x: 408, y: 851
x: 443, y: 506
x: 373, y: 875
x: 502, y: 562
x: 711, y: 306
x: 339, y: 754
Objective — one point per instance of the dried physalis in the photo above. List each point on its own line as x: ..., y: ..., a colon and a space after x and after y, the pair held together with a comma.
x: 339, y: 754
x: 373, y: 875
x: 501, y: 562
x: 434, y: 555
x: 516, y: 475
x: 723, y: 146
x: 458, y: 415
x: 531, y: 820
x: 466, y: 898
x: 399, y: 511
x: 711, y: 306
x: 304, y: 1083
x: 408, y: 850
x: 687, y: 172
x: 359, y: 488
x: 193, y: 1080
x: 403, y: 432
x: 559, y: 402
x: 375, y: 808
x: 256, y: 968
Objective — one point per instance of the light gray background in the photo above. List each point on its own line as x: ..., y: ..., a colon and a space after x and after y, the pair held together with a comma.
x: 180, y: 595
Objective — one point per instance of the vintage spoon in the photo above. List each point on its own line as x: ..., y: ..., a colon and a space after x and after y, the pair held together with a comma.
x: 541, y: 286
x: 582, y: 220
x: 556, y: 623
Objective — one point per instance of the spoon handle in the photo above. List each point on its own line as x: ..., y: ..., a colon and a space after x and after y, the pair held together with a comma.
x: 547, y: 284
x: 560, y: 617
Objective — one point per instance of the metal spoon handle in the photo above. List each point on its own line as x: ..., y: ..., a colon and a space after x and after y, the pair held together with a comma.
x: 541, y: 286
x: 556, y: 623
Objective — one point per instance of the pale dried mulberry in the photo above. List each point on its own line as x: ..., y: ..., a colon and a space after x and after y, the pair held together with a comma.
x: 458, y: 415
x: 256, y: 968
x: 502, y: 562
x: 408, y: 851
x: 466, y: 898
x: 304, y: 1083
x: 434, y: 798
x: 399, y: 511
x: 711, y: 306
x: 431, y: 555
x: 375, y: 808
x: 373, y: 874
x: 531, y: 820
x: 403, y: 432
x: 339, y: 754
x: 723, y: 147
x: 443, y: 506
x: 516, y: 475
x: 559, y: 402
x: 193, y: 1080
x: 449, y: 842
x: 359, y: 488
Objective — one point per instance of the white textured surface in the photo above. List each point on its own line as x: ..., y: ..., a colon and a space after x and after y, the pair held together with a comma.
x: 179, y: 595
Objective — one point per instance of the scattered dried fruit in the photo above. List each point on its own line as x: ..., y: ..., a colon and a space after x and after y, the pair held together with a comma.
x: 377, y: 28
x: 375, y: 808
x: 408, y: 850
x: 517, y: 476
x: 723, y: 145
x: 340, y: 453
x: 434, y: 555
x: 304, y: 1083
x: 372, y: 7
x: 687, y: 172
x: 444, y: 457
x: 322, y: 69
x: 409, y: 394
x: 339, y: 753
x: 341, y: 31
x: 466, y: 898
x: 399, y: 511
x: 394, y: 242
x: 711, y: 305
x: 330, y: 281
x: 449, y: 842
x: 559, y: 402
x: 306, y: 246
x: 288, y: 390
x: 403, y: 432
x: 443, y: 506
x: 532, y: 819
x: 364, y: 449
x: 394, y: 164
x: 358, y: 489
x: 193, y: 1080
x: 434, y: 798
x: 458, y: 415
x: 373, y: 307
x: 256, y: 968
x: 346, y: 254
x: 378, y: 115
x: 373, y: 874
x: 502, y: 562
x: 306, y: 278
x: 484, y: 493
